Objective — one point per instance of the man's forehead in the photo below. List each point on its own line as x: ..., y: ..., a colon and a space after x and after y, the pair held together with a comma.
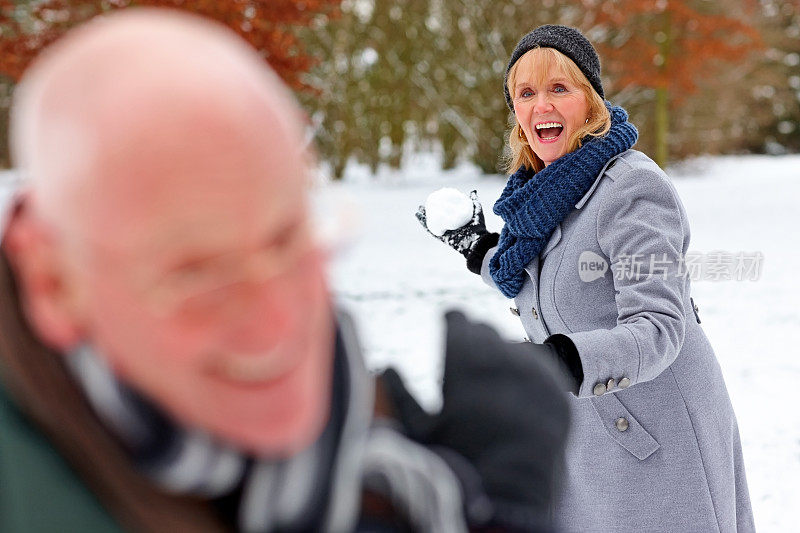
x: 225, y: 194
x: 201, y: 233
x: 174, y: 181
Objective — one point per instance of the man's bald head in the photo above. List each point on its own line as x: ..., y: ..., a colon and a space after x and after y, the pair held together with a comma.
x: 166, y: 224
x: 141, y: 88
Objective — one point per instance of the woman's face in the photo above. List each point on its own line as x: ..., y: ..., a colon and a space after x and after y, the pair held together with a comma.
x: 549, y: 109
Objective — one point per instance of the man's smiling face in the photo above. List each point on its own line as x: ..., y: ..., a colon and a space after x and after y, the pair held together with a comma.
x: 167, y: 225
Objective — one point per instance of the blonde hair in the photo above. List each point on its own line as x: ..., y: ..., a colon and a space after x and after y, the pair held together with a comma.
x: 542, y: 61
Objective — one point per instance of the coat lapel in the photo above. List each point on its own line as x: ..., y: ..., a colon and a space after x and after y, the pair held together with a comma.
x: 555, y: 237
x: 586, y: 196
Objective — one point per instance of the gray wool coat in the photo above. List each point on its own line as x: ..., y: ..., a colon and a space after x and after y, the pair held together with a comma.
x: 654, y: 444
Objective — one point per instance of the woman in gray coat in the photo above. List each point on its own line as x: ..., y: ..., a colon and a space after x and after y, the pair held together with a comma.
x: 592, y: 254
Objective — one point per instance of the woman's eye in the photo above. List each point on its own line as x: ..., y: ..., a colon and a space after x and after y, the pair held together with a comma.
x: 526, y: 93
x: 560, y: 89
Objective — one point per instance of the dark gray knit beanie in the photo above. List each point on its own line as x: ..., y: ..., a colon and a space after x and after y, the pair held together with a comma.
x: 570, y: 42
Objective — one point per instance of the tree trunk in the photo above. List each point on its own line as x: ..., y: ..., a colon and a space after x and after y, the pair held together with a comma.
x: 662, y: 96
x: 6, y: 88
x: 662, y: 126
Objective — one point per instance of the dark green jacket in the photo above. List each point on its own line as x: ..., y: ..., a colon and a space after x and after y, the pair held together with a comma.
x: 39, y: 492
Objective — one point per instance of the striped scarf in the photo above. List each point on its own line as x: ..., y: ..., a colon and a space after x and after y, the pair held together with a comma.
x: 318, y: 490
x: 275, y: 494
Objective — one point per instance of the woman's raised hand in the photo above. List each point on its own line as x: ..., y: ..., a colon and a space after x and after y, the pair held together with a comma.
x: 461, y: 238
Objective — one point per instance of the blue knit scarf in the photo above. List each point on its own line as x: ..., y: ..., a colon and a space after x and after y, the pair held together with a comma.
x: 534, y: 203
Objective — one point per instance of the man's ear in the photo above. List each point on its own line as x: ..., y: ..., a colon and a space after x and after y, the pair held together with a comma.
x: 45, y: 291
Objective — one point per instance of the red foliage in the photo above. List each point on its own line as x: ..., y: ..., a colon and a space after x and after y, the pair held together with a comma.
x: 268, y: 25
x: 668, y: 44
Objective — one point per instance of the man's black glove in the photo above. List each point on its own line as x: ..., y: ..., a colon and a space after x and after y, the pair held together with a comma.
x: 504, y: 411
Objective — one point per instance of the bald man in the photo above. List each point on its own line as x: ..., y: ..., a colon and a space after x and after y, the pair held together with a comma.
x: 169, y: 355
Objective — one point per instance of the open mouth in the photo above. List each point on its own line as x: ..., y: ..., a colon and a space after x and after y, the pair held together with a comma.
x: 549, y: 131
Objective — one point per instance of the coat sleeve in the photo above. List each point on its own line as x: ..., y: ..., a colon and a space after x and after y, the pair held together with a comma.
x: 485, y: 275
x: 641, y: 228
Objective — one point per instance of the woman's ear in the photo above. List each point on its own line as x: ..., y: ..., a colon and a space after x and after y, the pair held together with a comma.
x: 45, y: 291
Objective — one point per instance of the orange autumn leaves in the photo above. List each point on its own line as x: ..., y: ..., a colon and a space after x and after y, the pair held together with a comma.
x: 268, y: 25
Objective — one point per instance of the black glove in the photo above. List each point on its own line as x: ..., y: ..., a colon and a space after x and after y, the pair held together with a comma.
x: 503, y: 411
x: 463, y: 238
x: 565, y: 359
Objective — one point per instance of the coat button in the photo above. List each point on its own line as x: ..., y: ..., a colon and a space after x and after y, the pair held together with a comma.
x: 514, y: 311
x: 624, y: 383
x: 535, y: 314
x: 621, y: 423
x: 611, y: 383
x: 599, y: 389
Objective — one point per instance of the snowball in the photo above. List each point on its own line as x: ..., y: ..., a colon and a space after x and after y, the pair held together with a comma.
x: 447, y: 209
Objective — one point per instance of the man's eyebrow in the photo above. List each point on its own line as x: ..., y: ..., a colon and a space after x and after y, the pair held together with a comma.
x: 288, y: 224
x: 200, y: 255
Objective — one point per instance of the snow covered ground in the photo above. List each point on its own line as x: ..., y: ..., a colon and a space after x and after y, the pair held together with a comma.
x: 397, y: 280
